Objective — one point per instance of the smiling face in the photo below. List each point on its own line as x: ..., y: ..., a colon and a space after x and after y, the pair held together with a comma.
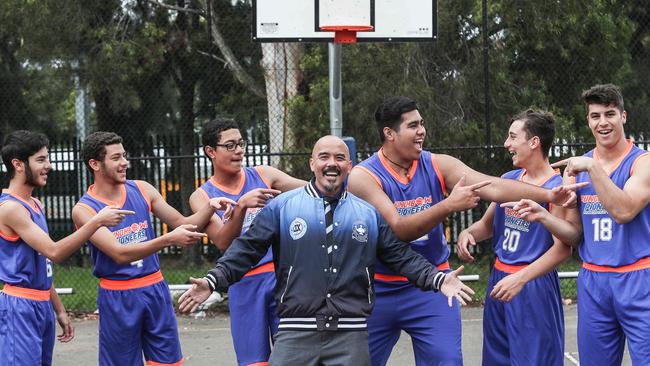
x: 606, y: 124
x: 114, y: 165
x: 408, y: 139
x: 36, y: 168
x: 330, y: 163
x: 222, y: 159
x: 518, y: 144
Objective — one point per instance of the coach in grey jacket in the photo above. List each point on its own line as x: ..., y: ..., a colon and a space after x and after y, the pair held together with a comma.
x: 325, y: 243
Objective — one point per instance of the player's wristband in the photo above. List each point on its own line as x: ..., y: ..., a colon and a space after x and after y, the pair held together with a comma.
x: 211, y: 282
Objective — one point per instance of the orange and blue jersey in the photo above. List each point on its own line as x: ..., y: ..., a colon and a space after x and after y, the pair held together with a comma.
x: 613, y: 295
x: 425, y: 188
x: 26, y: 313
x: 137, y: 311
x: 510, y: 335
x: 607, y: 243
x: 20, y: 264
x: 253, y: 317
x: 251, y: 178
x: 435, y: 329
x: 516, y: 241
x: 132, y: 230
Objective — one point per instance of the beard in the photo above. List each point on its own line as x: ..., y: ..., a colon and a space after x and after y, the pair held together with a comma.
x: 30, y: 179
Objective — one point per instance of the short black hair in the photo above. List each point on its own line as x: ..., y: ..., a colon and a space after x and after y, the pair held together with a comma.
x: 21, y: 145
x: 604, y: 94
x: 538, y: 123
x: 94, y: 146
x: 211, y: 130
x: 389, y: 113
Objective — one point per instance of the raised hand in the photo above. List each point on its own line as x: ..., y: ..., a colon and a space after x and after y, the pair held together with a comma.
x: 528, y: 210
x: 185, y: 235
x: 452, y: 287
x: 111, y: 215
x: 506, y: 289
x: 465, y: 239
x: 464, y: 197
x: 66, y: 326
x: 195, y: 296
x: 257, y: 198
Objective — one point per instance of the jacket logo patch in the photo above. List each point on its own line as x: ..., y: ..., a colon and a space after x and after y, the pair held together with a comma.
x: 360, y: 232
x: 297, y: 228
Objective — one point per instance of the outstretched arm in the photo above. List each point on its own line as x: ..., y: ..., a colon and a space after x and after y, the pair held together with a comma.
x: 278, y: 179
x: 15, y: 217
x: 412, y: 227
x: 105, y: 241
x: 503, y: 190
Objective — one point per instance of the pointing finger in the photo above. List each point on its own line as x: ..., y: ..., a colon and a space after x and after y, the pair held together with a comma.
x: 478, y: 185
x: 560, y: 163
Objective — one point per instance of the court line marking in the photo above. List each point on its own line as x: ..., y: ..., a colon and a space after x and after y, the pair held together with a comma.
x: 571, y: 359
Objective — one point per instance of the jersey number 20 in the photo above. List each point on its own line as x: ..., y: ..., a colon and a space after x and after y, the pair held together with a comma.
x: 511, y: 241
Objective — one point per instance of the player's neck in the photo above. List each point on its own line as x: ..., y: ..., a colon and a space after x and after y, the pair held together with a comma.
x: 227, y: 179
x: 537, y: 171
x: 399, y: 163
x: 611, y: 154
x: 109, y: 190
x: 20, y: 189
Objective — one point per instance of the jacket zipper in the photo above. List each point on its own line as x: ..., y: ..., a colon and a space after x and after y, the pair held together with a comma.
x: 287, y: 287
x: 369, y: 284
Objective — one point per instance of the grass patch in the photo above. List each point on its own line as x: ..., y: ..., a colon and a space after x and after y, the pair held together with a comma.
x: 85, y: 284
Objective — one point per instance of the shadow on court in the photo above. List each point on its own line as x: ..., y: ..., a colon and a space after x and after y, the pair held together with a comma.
x: 206, y: 341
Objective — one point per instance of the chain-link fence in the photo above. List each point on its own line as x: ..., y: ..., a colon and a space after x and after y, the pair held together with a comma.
x: 154, y: 70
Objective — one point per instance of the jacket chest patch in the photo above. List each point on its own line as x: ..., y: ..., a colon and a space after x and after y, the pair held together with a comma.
x: 360, y: 232
x: 297, y: 228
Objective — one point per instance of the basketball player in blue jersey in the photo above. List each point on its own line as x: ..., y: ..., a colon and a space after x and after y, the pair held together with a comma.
x: 613, y: 211
x: 136, y: 312
x: 408, y: 185
x: 28, y: 302
x: 253, y: 318
x: 528, y: 330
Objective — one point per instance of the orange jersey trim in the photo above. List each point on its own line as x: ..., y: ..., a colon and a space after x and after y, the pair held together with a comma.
x: 6, y: 236
x: 234, y: 191
x: 140, y: 282
x: 392, y: 172
x: 441, y: 178
x: 264, y: 268
x: 636, y: 161
x: 34, y: 205
x: 258, y: 364
x: 630, y: 144
x: 643, y: 263
x: 87, y: 208
x: 120, y: 204
x: 154, y: 363
x: 138, y: 184
x: 508, y: 268
x: 204, y: 193
x: 395, y: 278
x: 371, y: 174
x: 259, y: 171
x: 27, y: 293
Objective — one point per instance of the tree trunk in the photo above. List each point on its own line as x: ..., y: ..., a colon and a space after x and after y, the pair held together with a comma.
x: 282, y: 75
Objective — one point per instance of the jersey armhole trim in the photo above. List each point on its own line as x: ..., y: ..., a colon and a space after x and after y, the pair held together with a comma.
x: 636, y: 161
x: 138, y: 183
x: 258, y: 169
x: 371, y: 174
x: 441, y: 179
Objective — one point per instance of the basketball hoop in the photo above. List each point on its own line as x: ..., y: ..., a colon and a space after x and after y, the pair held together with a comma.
x: 346, y: 33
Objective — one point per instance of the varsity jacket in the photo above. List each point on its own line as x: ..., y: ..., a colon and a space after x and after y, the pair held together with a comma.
x: 310, y: 293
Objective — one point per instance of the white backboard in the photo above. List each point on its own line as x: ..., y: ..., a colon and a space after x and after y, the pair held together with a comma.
x: 300, y: 20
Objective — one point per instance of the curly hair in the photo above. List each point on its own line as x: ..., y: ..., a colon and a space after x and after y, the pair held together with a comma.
x: 94, y: 146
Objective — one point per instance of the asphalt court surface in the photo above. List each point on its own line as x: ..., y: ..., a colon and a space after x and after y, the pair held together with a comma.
x: 206, y: 341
